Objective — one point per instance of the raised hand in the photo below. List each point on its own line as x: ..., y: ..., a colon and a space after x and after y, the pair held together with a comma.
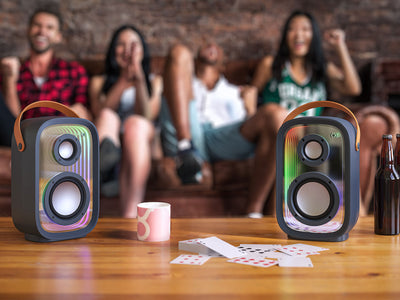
x: 134, y: 70
x: 10, y: 68
x: 335, y: 37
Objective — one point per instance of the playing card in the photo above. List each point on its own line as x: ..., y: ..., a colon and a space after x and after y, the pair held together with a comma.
x: 310, y: 247
x: 221, y: 247
x: 193, y: 245
x: 297, y: 250
x: 257, y: 250
x: 295, y: 261
x: 276, y: 254
x: 188, y: 259
x: 257, y: 262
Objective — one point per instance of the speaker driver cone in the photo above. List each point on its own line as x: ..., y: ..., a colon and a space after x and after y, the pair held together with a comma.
x: 313, y: 150
x: 67, y: 149
x: 313, y: 198
x: 66, y: 198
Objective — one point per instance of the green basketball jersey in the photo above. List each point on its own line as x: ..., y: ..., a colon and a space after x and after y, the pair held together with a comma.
x: 290, y: 94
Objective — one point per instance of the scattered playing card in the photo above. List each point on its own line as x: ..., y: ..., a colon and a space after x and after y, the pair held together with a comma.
x: 221, y: 247
x: 295, y: 261
x: 193, y: 245
x: 294, y: 255
x: 310, y: 247
x: 257, y: 250
x: 296, y: 250
x: 186, y: 259
x: 276, y: 254
x: 257, y: 262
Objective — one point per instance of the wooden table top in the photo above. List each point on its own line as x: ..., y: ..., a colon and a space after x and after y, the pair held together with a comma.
x: 111, y: 263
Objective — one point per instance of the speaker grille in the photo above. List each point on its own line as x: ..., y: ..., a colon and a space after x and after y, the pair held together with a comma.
x: 301, y: 214
x: 52, y: 167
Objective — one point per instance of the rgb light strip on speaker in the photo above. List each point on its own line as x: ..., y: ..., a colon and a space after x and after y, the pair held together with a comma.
x: 294, y: 167
x: 50, y: 168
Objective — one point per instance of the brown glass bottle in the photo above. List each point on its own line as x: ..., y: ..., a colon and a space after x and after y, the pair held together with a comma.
x: 386, y: 197
x: 397, y: 154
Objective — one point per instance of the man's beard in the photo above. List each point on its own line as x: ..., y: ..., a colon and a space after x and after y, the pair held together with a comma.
x: 40, y: 50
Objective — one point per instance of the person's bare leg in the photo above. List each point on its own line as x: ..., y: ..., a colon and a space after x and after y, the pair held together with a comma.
x: 82, y: 111
x: 136, y: 163
x: 108, y: 125
x: 177, y: 76
x: 372, y: 128
x: 178, y: 92
x: 262, y: 129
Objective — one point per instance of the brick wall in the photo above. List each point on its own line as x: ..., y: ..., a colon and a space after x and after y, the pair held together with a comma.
x: 245, y: 28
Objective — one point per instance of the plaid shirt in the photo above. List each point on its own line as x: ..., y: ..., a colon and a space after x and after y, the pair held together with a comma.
x: 66, y: 82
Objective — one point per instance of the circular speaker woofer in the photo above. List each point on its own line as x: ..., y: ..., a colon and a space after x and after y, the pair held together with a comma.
x: 313, y: 199
x: 313, y: 150
x: 67, y: 149
x: 66, y: 198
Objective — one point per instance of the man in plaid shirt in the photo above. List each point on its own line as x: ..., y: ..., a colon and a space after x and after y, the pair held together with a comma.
x: 43, y: 76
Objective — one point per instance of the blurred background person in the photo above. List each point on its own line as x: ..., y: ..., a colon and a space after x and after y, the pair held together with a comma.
x: 125, y: 102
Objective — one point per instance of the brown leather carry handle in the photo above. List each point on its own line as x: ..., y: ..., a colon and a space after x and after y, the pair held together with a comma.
x: 49, y: 104
x: 332, y: 104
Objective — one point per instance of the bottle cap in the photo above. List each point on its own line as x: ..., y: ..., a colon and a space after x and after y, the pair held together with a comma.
x: 387, y: 136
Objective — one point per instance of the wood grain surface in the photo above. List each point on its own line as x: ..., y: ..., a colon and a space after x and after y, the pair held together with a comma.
x: 110, y: 263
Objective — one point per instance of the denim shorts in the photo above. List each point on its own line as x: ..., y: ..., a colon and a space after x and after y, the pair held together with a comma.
x: 213, y: 144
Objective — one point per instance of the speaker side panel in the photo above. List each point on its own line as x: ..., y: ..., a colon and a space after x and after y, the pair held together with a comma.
x: 24, y: 175
x: 353, y: 173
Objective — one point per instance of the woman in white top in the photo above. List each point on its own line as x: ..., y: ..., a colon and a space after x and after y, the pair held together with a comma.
x: 124, y: 102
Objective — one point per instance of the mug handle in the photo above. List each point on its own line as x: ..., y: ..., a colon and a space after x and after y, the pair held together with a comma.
x: 49, y: 104
x: 332, y: 104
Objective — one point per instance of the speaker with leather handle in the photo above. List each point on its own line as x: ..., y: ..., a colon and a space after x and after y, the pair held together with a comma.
x: 317, y: 175
x: 55, y: 175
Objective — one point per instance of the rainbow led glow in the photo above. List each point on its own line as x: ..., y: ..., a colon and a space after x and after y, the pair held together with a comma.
x: 333, y: 167
x: 49, y: 168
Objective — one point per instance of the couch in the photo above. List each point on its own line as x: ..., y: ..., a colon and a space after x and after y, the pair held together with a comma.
x: 224, y: 189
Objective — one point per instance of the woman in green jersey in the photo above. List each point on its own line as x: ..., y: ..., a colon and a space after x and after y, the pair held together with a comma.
x: 299, y: 74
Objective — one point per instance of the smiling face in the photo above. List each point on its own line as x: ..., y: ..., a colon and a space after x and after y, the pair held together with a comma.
x: 128, y: 44
x: 44, y: 32
x: 299, y: 36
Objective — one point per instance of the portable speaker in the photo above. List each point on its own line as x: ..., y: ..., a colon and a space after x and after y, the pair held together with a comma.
x: 55, y: 175
x: 317, y: 175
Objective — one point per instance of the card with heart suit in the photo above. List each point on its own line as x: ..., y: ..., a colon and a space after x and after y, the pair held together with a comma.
x: 189, y: 259
x: 256, y: 262
x: 301, y: 250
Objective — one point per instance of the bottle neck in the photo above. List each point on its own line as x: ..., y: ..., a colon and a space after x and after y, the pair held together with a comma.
x: 387, y: 158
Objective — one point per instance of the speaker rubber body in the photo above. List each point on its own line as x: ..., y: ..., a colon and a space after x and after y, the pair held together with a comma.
x: 36, y: 170
x: 327, y: 171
